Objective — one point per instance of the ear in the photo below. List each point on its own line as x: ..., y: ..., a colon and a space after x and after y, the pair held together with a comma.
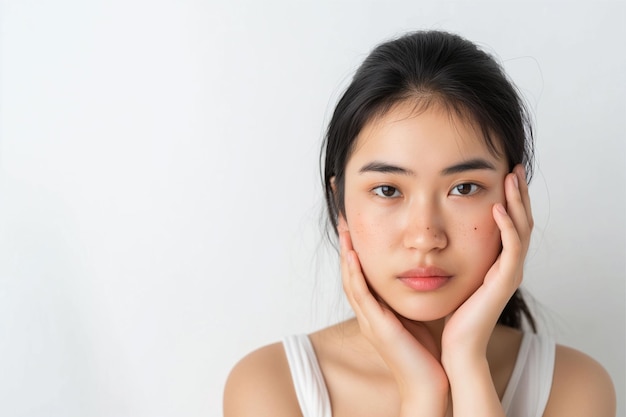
x: 333, y: 186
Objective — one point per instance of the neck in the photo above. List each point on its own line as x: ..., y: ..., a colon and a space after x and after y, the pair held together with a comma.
x: 429, y: 333
x: 435, y: 328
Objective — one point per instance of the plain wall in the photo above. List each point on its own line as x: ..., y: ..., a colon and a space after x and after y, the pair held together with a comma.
x: 160, y: 197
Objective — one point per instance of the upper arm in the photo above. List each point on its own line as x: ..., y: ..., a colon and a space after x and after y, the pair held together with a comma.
x: 581, y: 387
x: 260, y: 385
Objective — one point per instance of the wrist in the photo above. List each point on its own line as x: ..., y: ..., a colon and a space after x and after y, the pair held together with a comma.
x: 465, y: 366
x: 463, y: 355
x: 472, y: 387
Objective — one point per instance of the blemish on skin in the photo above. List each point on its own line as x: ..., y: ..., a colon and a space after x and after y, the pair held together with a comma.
x: 475, y: 228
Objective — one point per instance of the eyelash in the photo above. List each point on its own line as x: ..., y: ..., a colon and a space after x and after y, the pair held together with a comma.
x: 380, y: 190
x: 474, y: 188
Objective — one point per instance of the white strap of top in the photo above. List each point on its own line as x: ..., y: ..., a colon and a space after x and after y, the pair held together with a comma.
x: 529, y: 387
x: 307, y: 377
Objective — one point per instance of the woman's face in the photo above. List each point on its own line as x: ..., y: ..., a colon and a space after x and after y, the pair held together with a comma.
x: 419, y: 192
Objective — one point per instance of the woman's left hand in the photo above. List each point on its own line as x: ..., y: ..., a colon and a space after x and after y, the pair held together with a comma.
x: 468, y: 329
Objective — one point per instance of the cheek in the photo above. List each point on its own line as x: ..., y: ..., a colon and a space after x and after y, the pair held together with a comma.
x: 484, y: 226
x: 369, y: 227
x: 371, y: 236
x: 364, y: 231
x: 481, y: 236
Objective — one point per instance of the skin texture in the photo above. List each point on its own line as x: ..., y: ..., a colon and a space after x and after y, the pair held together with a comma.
x: 412, y: 202
x: 427, y: 221
x: 426, y: 212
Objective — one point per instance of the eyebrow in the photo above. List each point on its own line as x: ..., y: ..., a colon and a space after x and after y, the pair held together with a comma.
x: 469, y: 165
x: 386, y: 168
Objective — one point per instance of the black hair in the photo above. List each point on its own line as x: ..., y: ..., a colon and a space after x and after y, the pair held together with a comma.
x: 431, y: 67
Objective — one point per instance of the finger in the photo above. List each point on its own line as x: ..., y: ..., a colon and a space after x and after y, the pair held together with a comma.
x: 503, y: 278
x: 345, y: 247
x: 369, y: 310
x: 524, y: 192
x: 365, y: 303
x: 358, y: 287
x: 510, y: 260
x: 516, y: 209
x: 352, y: 277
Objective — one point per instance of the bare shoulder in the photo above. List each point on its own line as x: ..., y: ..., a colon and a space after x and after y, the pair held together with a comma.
x: 260, y: 385
x: 581, y: 387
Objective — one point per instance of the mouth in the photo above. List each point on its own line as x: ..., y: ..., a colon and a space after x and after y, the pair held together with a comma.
x: 428, y: 278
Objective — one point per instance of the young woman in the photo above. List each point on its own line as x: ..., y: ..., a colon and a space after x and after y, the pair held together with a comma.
x: 427, y: 157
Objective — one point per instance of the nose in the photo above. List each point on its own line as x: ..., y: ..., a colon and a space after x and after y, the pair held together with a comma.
x: 425, y: 229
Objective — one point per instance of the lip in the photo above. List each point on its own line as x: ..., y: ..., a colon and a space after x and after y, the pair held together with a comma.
x: 425, y: 278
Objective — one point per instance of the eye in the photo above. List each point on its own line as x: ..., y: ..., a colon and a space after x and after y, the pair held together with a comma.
x: 386, y: 191
x: 465, y: 189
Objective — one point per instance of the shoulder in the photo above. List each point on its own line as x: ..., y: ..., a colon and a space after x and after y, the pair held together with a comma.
x: 260, y: 385
x: 580, y: 387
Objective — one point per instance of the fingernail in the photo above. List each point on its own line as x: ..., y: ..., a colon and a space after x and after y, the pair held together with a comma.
x: 515, y: 180
x: 500, y: 208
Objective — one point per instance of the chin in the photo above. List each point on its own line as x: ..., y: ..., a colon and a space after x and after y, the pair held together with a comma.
x: 424, y: 312
x: 424, y: 316
x: 423, y: 307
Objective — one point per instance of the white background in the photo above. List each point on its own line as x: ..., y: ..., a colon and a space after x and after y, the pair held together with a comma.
x: 160, y: 198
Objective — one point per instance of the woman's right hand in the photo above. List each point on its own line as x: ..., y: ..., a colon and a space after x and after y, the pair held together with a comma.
x: 407, y: 347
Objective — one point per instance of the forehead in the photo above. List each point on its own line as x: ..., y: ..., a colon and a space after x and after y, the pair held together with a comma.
x: 425, y: 137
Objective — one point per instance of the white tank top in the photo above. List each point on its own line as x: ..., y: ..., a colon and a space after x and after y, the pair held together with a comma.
x: 526, y: 394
